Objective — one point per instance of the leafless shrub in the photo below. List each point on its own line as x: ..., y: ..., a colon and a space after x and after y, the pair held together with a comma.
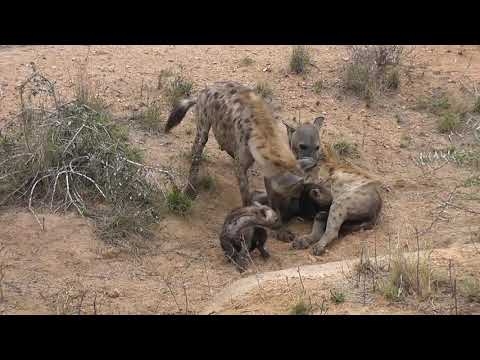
x: 372, y: 68
x: 71, y: 155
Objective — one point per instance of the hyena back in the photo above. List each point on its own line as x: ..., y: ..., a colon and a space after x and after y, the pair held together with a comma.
x: 245, y: 128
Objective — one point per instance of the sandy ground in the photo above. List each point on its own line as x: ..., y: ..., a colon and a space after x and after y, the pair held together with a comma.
x: 67, y: 270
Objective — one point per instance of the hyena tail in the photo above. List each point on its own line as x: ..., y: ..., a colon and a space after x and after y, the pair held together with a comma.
x: 178, y: 113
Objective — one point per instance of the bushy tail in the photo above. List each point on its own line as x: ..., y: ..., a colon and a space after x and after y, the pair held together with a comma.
x: 178, y: 113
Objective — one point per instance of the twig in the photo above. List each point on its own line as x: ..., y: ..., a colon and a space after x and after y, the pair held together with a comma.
x: 455, y: 294
x: 95, y: 304
x: 73, y: 139
x: 418, y: 261
x: 173, y: 295
x: 30, y: 200
x: 450, y: 273
x: 301, y: 281
x: 2, y: 276
x: 206, y: 274
x: 80, y: 303
x: 186, y: 297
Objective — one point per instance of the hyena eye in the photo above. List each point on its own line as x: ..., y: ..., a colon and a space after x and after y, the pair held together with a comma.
x: 303, y: 147
x: 317, y: 147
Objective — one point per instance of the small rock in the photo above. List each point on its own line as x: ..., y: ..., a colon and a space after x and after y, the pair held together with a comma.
x: 54, y: 67
x: 115, y: 293
x: 345, y: 59
x: 317, y: 103
x: 451, y: 81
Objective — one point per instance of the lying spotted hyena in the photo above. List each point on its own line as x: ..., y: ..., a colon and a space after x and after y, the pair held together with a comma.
x: 245, y: 128
x: 356, y: 204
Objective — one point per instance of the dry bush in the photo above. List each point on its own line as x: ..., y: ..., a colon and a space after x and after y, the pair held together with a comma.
x: 246, y: 61
x: 300, y: 59
x: 344, y: 148
x: 264, y: 89
x: 318, y: 86
x: 470, y: 288
x: 408, y: 276
x: 74, y: 156
x: 177, y: 88
x: 150, y: 117
x: 178, y: 203
x: 476, y: 106
x: 372, y: 68
x: 301, y: 308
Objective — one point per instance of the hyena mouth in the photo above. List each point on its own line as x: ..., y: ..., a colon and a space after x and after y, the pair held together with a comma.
x: 307, y: 163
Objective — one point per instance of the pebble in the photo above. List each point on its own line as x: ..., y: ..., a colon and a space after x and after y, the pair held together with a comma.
x: 115, y: 293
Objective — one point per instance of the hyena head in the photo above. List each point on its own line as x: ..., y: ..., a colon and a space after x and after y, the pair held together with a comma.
x: 304, y: 140
x: 264, y: 215
x: 320, y: 195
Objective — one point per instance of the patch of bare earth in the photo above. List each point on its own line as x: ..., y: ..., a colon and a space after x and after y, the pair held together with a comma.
x: 65, y: 269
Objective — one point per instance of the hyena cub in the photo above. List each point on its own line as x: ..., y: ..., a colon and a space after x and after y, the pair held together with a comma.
x: 244, y: 231
x: 245, y: 128
x: 356, y: 204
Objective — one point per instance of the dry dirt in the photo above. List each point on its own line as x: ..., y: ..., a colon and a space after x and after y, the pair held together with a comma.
x: 65, y: 269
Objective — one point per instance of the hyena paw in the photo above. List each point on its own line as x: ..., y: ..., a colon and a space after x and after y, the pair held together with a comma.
x: 285, y: 235
x: 301, y: 242
x: 318, y: 249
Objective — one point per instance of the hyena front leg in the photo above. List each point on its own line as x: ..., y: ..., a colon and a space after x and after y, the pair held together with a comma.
x: 243, y: 161
x: 201, y: 138
x: 318, y: 229
x: 336, y: 217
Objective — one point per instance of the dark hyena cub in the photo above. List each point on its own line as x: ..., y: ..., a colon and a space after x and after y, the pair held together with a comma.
x: 244, y: 231
x: 246, y: 129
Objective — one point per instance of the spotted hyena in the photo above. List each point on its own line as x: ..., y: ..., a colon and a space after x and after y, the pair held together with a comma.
x: 244, y: 230
x: 246, y: 129
x: 356, y: 204
x: 304, y: 141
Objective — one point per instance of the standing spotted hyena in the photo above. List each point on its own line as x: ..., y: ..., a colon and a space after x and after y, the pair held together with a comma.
x: 245, y: 128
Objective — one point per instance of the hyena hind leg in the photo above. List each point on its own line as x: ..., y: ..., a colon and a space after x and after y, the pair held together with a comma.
x: 201, y: 138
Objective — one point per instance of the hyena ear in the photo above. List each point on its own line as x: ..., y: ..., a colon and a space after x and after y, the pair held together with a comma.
x: 290, y: 130
x: 257, y: 204
x: 318, y: 122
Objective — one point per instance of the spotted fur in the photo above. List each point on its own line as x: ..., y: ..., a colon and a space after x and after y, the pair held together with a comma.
x: 245, y: 128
